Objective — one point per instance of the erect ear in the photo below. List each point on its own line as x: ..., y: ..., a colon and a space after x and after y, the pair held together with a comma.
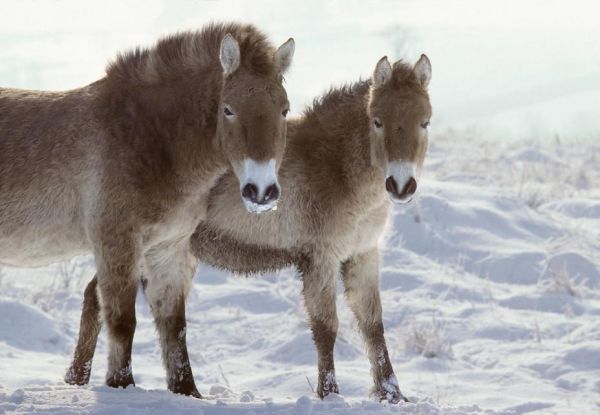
x: 284, y: 55
x: 230, y: 54
x: 383, y: 72
x: 422, y: 71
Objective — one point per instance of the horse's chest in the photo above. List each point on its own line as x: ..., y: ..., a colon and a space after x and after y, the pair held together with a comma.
x: 178, y: 223
x: 356, y: 233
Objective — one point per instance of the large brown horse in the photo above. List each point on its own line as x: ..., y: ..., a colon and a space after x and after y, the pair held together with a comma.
x: 123, y: 168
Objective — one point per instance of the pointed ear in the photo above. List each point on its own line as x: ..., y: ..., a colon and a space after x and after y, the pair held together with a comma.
x: 284, y: 55
x: 422, y: 71
x: 230, y: 54
x: 383, y: 72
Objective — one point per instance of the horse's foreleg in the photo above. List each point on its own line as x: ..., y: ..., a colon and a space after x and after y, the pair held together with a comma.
x: 118, y: 264
x: 361, y: 281
x: 166, y: 285
x: 319, y: 279
x: 89, y: 328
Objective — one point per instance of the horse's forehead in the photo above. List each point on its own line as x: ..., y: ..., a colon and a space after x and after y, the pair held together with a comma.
x: 405, y: 104
x: 260, y: 92
x: 249, y: 87
x: 265, y: 89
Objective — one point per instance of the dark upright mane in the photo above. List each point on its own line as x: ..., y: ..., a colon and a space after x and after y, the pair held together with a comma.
x: 338, y: 97
x: 187, y: 52
x: 403, y: 76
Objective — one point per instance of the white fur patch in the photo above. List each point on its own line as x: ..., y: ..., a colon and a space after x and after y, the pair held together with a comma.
x: 402, y: 171
x: 262, y: 175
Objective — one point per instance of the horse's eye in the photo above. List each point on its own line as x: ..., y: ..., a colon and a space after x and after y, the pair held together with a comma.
x: 425, y: 124
x: 228, y: 112
x: 377, y: 123
x: 285, y: 112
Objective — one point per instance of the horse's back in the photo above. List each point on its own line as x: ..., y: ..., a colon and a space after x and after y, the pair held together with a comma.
x: 32, y: 120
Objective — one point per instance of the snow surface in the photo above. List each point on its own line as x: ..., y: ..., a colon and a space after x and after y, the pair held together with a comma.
x: 490, y: 288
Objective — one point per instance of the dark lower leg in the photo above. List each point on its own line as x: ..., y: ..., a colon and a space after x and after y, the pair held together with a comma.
x: 172, y: 331
x: 119, y: 316
x: 360, y: 275
x: 89, y: 328
x: 324, y: 336
x: 319, y: 280
x: 385, y: 383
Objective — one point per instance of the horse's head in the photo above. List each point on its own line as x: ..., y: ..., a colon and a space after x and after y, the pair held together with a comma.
x: 399, y: 112
x: 251, y: 123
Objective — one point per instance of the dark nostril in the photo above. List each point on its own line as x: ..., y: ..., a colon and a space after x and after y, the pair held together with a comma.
x: 272, y: 193
x: 250, y: 192
x: 391, y: 186
x: 408, y: 190
x: 410, y: 187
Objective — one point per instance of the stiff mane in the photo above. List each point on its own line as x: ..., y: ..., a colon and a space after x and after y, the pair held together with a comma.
x: 187, y: 52
x: 338, y: 98
x: 403, y: 76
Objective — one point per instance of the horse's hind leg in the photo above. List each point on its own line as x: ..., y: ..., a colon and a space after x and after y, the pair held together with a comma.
x: 361, y: 281
x: 89, y: 328
x: 319, y: 279
x: 166, y: 283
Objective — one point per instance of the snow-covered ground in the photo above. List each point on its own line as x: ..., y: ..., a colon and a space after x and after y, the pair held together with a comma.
x: 491, y: 295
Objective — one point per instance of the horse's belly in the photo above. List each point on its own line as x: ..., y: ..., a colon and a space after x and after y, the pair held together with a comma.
x: 36, y: 247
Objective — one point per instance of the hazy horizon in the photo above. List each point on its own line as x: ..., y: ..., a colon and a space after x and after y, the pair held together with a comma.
x: 519, y: 70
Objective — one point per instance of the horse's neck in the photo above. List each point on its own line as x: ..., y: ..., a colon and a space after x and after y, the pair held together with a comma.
x: 355, y: 142
x: 336, y: 151
x: 159, y: 126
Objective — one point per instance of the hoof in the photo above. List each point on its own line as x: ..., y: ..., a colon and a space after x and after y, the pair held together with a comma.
x: 78, y: 376
x: 187, y: 388
x: 389, y: 390
x: 323, y: 392
x: 193, y: 392
x: 76, y: 381
x: 120, y: 380
x: 394, y: 399
x: 392, y: 396
x: 327, y: 385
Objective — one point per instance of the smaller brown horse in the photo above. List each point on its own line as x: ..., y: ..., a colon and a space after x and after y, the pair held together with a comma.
x: 123, y: 168
x: 355, y: 143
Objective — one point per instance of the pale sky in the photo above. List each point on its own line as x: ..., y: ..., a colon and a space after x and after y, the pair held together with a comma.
x: 514, y: 69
